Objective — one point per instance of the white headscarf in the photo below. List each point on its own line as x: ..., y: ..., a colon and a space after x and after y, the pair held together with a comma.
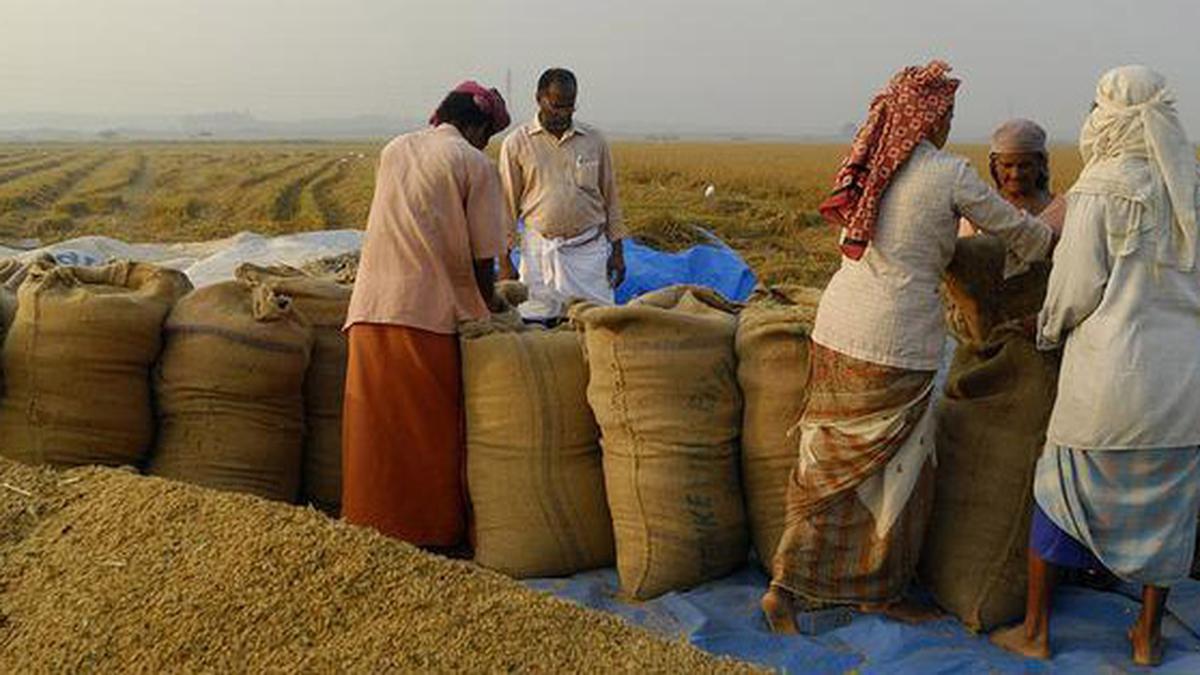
x: 1135, y: 117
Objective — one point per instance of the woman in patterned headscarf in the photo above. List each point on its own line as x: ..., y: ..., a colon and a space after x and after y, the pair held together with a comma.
x: 1118, y: 484
x: 860, y: 493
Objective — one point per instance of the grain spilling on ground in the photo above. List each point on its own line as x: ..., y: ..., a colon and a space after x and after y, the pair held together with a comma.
x: 106, y: 570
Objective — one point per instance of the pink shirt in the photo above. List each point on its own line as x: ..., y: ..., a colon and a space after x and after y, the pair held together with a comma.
x: 437, y: 208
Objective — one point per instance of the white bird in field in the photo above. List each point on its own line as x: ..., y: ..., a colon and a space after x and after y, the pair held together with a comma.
x: 710, y: 191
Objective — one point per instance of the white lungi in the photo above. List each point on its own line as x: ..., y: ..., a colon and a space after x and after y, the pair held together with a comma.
x: 558, y: 270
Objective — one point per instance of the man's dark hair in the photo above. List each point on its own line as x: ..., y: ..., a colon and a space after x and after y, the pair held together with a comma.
x: 459, y: 109
x: 560, y: 76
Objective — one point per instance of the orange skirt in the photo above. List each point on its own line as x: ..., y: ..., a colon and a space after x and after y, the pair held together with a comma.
x: 403, y: 445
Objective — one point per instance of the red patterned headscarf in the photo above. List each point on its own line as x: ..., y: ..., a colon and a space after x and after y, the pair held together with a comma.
x: 489, y: 101
x: 901, y: 116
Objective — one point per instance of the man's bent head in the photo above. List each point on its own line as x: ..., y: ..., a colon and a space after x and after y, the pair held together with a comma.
x: 556, y: 100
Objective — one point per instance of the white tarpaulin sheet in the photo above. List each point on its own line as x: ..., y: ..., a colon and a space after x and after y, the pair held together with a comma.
x: 205, y: 262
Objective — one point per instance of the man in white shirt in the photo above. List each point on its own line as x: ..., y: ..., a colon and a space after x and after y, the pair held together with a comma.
x: 559, y: 180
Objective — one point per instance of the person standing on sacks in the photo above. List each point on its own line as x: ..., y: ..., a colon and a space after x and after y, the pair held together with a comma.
x: 559, y: 181
x: 435, y: 229
x: 860, y: 492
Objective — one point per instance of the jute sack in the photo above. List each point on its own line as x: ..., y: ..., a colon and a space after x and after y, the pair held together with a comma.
x: 323, y: 301
x: 78, y: 360
x: 533, y: 455
x: 12, y: 273
x: 663, y: 386
x: 230, y: 391
x: 772, y: 352
x: 979, y: 298
x: 991, y: 429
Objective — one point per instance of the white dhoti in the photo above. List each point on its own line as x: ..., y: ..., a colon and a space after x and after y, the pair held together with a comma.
x: 558, y: 270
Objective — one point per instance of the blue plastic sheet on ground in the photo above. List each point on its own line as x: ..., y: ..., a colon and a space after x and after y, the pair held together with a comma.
x: 722, y: 617
x: 713, y: 264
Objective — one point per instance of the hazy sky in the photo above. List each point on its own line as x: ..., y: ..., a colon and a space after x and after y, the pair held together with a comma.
x: 764, y: 66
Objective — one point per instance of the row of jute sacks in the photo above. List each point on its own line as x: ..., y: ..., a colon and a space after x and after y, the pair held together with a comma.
x: 654, y: 435
x: 237, y: 385
x: 658, y: 435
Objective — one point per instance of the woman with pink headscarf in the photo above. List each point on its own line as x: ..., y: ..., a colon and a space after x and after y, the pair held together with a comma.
x: 861, y: 490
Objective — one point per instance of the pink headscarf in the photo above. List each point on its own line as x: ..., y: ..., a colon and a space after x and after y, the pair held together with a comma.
x: 489, y: 101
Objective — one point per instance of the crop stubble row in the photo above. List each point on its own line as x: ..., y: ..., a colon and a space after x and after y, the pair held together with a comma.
x: 764, y: 205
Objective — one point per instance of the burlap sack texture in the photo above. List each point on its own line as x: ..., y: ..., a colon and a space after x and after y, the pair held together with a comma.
x: 663, y: 387
x: 979, y: 298
x: 12, y: 273
x: 78, y: 359
x: 991, y: 428
x: 533, y: 453
x: 230, y: 390
x: 773, y: 369
x: 323, y: 300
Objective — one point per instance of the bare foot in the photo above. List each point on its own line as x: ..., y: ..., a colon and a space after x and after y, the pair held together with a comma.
x: 780, y: 610
x: 1146, y: 652
x: 1017, y: 640
x: 902, y: 610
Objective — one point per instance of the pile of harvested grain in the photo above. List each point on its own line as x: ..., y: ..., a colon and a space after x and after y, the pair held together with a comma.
x: 106, y: 570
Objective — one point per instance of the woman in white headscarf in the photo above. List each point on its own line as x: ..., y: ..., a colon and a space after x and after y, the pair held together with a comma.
x: 1118, y: 484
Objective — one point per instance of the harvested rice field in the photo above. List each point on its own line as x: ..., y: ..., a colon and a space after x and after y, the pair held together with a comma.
x: 105, y: 570
x: 764, y: 203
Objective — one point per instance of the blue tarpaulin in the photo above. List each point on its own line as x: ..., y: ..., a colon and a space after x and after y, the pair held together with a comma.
x: 713, y: 264
x: 1087, y: 630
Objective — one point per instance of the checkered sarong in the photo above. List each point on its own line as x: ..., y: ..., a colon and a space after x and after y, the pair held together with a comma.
x: 830, y: 552
x: 1134, y: 509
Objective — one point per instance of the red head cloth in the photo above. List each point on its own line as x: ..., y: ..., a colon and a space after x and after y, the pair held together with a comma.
x: 487, y: 100
x: 901, y: 116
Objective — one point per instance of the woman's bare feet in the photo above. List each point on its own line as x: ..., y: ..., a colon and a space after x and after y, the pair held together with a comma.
x: 779, y: 607
x: 902, y: 610
x: 1020, y: 640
